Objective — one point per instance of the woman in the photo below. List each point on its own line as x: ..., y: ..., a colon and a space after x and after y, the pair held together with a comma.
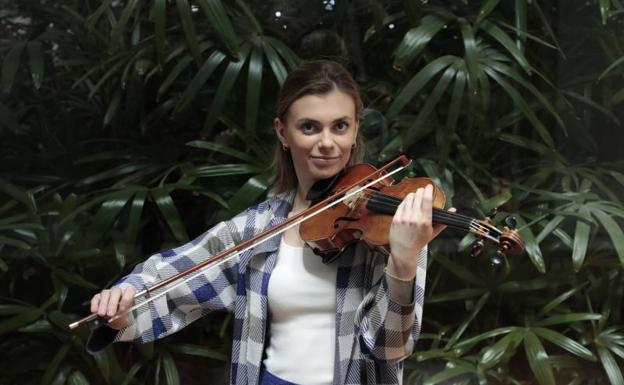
x: 297, y: 320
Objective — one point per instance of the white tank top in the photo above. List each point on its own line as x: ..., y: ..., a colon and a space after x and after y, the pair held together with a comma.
x: 302, y: 306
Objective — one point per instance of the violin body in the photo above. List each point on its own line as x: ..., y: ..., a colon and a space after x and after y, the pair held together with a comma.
x: 360, y: 218
x: 366, y: 215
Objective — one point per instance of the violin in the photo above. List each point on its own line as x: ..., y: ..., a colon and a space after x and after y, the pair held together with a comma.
x: 354, y: 206
x: 367, y: 214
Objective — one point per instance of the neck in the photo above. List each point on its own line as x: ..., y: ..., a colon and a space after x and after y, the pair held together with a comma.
x: 300, y: 201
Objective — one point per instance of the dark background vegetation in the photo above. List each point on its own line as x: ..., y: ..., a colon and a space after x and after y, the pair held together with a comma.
x: 131, y: 126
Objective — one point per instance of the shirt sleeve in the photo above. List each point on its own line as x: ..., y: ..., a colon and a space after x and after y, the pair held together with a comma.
x: 388, y: 330
x: 215, y: 289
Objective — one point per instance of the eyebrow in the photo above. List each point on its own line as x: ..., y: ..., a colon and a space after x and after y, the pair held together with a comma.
x: 303, y: 120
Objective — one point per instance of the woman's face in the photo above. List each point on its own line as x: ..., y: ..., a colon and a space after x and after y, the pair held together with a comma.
x: 319, y: 131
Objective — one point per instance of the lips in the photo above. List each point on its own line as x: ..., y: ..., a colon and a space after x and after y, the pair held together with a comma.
x: 324, y: 161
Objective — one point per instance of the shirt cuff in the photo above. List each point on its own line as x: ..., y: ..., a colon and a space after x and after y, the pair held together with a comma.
x: 401, y: 292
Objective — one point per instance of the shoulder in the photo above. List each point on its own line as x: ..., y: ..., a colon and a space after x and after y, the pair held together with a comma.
x: 277, y: 204
x: 274, y: 208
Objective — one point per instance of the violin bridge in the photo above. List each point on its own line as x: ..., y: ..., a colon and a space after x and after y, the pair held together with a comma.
x: 352, y: 200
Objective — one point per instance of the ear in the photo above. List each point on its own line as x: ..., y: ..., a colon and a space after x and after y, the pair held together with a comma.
x: 280, y: 129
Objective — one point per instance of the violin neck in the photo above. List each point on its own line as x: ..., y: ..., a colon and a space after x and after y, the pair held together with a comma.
x: 387, y: 204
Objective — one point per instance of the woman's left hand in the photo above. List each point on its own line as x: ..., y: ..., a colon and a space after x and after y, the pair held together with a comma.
x: 411, y: 230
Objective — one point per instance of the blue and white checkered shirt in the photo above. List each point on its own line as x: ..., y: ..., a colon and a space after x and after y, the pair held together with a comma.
x: 373, y: 332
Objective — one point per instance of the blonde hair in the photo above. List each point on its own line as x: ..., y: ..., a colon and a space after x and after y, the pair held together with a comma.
x: 317, y: 77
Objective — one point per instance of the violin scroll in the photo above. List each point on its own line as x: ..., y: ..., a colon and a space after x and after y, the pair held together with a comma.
x: 508, y: 240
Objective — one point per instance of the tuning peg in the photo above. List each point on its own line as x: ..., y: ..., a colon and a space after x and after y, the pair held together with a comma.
x: 477, y: 248
x: 510, y: 222
x: 490, y: 217
x: 499, y: 266
x: 497, y: 259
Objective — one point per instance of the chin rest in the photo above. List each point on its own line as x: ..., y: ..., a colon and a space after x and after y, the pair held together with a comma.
x: 320, y: 189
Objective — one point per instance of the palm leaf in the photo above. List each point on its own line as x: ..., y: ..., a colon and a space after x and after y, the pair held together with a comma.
x: 35, y: 62
x: 254, y: 86
x: 227, y: 150
x: 611, y: 367
x: 446, y: 375
x: 77, y: 378
x: 172, y: 376
x: 523, y: 106
x: 184, y: 10
x: 532, y: 246
x: 461, y: 328
x: 416, y: 39
x: 251, y: 18
x: 538, y: 359
x: 459, y: 271
x: 501, y: 37
x: 419, y: 128
x: 160, y: 22
x: 170, y: 213
x: 492, y: 354
x: 274, y: 61
x: 199, y: 351
x: 218, y: 19
x: 471, y: 54
x: 198, y: 81
x: 11, y: 64
x: 613, y: 229
x: 581, y: 239
x: 418, y: 82
x: 225, y: 86
x: 568, y: 318
x: 120, y: 26
x: 564, y: 342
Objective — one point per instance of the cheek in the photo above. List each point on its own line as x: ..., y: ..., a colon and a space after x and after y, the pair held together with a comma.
x: 302, y: 142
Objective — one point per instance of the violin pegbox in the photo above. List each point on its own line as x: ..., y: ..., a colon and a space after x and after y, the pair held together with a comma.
x: 508, y: 240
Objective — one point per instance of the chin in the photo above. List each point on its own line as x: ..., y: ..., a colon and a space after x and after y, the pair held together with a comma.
x: 324, y: 173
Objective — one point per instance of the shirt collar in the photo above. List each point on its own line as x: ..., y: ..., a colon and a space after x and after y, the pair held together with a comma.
x: 280, y: 206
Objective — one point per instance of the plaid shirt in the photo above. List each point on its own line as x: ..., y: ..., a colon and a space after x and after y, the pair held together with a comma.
x: 373, y: 332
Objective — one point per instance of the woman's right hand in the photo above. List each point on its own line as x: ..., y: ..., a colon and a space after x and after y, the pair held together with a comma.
x: 110, y: 302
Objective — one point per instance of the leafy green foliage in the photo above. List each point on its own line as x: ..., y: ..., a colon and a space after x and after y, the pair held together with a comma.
x: 128, y: 127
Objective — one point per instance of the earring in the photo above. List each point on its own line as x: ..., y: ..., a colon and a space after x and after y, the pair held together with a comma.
x: 284, y: 147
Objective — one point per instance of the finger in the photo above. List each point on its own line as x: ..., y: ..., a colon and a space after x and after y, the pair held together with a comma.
x: 427, y: 202
x: 113, y: 301
x: 128, y: 298
x: 95, y: 303
x: 104, y: 295
x: 417, y: 204
x: 400, y: 213
x: 409, y: 201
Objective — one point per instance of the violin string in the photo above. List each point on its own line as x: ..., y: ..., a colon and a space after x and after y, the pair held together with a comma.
x: 472, y: 226
x: 452, y: 219
x: 379, y: 197
x: 227, y: 258
x: 391, y: 203
x: 440, y: 217
x: 398, y: 200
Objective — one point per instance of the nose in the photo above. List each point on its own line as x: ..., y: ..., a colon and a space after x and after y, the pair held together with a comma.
x: 326, y: 140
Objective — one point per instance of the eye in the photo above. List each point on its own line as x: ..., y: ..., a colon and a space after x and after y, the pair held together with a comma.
x: 342, y: 126
x: 308, y: 127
